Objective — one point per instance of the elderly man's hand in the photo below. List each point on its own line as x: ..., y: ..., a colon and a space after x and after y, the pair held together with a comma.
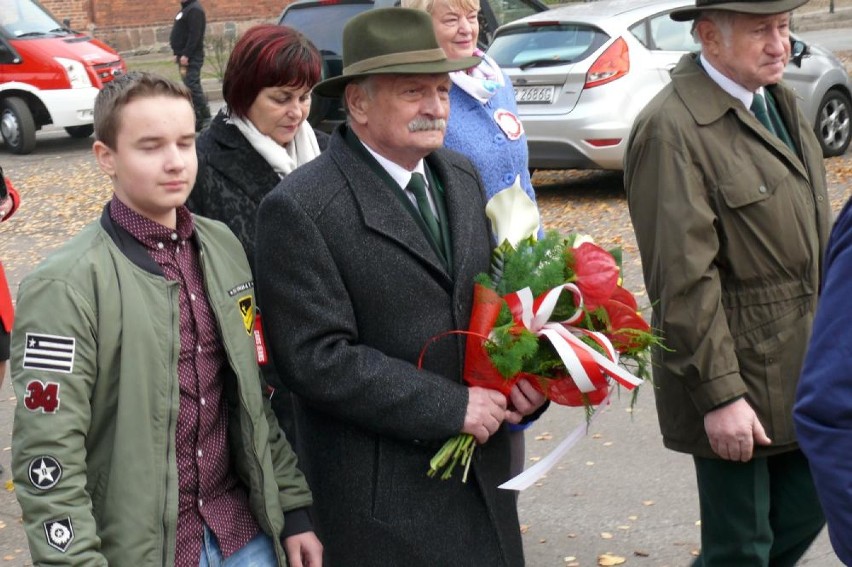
x: 486, y: 410
x: 733, y: 431
x: 524, y: 400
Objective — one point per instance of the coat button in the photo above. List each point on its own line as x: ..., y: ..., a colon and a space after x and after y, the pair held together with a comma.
x: 508, y: 179
x: 762, y: 189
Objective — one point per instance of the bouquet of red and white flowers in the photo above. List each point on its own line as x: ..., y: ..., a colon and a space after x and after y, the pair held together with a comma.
x: 552, y: 311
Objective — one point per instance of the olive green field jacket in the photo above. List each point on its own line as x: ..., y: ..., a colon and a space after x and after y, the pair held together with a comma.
x: 731, y: 226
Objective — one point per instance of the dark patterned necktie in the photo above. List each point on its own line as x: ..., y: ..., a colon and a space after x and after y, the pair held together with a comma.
x: 417, y: 185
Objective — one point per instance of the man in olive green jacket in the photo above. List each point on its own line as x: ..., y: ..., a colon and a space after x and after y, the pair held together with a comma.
x: 114, y: 334
x: 731, y: 220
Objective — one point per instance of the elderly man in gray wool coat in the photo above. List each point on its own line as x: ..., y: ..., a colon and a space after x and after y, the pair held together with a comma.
x: 363, y: 255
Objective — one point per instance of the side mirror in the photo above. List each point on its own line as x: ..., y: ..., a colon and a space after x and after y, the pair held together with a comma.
x: 798, y: 51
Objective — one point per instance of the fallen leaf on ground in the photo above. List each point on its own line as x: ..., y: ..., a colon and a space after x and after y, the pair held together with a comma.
x: 647, y: 502
x: 607, y: 559
x: 524, y: 528
x: 641, y: 553
x: 606, y: 535
x: 632, y: 518
x: 10, y: 486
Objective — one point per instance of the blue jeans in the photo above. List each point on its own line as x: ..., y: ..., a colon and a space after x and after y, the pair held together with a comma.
x: 259, y: 552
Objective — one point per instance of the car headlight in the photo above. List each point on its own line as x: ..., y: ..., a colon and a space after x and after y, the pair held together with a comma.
x: 76, y: 72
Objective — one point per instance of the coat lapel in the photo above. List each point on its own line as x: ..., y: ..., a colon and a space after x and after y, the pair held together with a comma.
x: 464, y: 206
x: 381, y: 210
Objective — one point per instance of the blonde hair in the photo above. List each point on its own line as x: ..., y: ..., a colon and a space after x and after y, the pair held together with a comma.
x: 429, y: 5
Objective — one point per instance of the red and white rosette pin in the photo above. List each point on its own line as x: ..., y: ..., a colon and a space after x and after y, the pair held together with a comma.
x: 509, y: 123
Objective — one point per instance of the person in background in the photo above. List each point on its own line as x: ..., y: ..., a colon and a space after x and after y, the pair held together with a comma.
x: 261, y: 135
x: 9, y: 201
x: 727, y: 193
x: 484, y: 126
x: 822, y: 412
x: 364, y: 254
x: 141, y: 436
x: 187, y: 42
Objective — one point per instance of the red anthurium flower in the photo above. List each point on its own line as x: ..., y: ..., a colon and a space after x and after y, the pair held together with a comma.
x: 622, y: 320
x: 596, y: 273
x: 623, y: 296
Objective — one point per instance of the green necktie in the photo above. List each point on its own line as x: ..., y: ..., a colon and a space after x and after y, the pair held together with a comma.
x: 758, y: 107
x: 417, y: 185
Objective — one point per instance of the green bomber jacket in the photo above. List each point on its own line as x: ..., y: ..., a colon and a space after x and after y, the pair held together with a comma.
x: 93, y: 446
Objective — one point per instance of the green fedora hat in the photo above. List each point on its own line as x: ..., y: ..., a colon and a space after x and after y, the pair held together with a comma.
x: 754, y: 7
x: 384, y: 41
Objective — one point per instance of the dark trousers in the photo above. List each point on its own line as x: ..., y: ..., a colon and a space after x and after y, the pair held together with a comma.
x: 763, y: 513
x: 192, y: 80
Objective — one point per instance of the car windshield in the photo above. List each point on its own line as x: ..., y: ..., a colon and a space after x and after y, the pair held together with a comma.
x: 323, y: 25
x: 545, y: 43
x: 25, y: 18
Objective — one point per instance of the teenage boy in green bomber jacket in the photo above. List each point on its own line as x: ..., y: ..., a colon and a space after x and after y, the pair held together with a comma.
x: 141, y: 436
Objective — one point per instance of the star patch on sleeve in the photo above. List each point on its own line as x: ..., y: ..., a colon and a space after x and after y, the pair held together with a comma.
x: 44, y: 472
x: 49, y: 352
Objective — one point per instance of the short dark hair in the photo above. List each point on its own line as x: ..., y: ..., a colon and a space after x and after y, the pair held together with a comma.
x: 119, y: 92
x: 268, y: 56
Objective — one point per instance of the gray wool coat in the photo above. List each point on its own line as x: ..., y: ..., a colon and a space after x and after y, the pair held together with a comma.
x: 352, y: 292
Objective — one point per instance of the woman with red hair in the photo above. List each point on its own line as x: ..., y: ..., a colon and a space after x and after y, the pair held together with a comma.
x: 8, y: 204
x: 261, y: 135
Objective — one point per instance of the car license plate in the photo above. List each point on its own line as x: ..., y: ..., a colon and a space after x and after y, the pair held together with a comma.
x: 533, y: 94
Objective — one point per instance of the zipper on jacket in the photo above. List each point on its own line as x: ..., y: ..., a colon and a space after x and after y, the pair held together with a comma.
x: 242, y: 407
x: 172, y: 364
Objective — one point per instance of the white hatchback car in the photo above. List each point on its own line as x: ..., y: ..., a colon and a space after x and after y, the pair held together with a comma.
x: 583, y: 72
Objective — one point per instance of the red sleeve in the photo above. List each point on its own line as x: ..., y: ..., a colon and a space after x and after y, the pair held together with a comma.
x: 16, y: 199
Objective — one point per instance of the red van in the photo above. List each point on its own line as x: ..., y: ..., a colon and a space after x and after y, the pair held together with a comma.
x: 49, y: 74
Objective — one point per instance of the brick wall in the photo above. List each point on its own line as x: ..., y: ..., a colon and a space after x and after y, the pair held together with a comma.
x: 144, y: 25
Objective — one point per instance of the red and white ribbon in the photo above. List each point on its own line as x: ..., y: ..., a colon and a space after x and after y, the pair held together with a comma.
x: 580, y: 359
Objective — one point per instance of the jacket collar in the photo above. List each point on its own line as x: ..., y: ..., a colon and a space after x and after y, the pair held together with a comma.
x: 383, y: 213
x: 235, y: 159
x: 691, y: 83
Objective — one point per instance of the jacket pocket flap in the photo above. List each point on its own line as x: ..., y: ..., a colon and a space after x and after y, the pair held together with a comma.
x: 749, y: 185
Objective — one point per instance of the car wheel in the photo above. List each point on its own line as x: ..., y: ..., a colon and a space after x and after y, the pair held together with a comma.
x: 17, y: 126
x: 80, y: 131
x: 833, y: 127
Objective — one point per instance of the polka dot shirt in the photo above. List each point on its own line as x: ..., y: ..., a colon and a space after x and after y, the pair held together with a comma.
x: 209, y: 491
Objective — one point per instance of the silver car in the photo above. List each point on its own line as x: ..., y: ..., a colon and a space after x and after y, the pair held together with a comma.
x: 583, y: 72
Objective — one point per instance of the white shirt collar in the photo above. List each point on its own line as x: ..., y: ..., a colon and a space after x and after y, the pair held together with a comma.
x: 734, y: 89
x: 399, y: 174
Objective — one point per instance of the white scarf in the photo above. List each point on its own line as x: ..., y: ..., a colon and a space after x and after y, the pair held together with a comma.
x: 283, y: 159
x: 480, y: 82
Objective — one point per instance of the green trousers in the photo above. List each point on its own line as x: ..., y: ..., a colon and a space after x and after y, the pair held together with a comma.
x: 763, y: 513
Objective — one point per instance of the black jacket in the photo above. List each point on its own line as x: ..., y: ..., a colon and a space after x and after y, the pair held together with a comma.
x: 232, y: 180
x: 187, y: 37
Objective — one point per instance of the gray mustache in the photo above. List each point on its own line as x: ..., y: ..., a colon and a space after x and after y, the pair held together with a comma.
x: 423, y: 124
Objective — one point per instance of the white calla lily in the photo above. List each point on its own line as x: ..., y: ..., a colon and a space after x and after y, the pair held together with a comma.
x: 514, y: 216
